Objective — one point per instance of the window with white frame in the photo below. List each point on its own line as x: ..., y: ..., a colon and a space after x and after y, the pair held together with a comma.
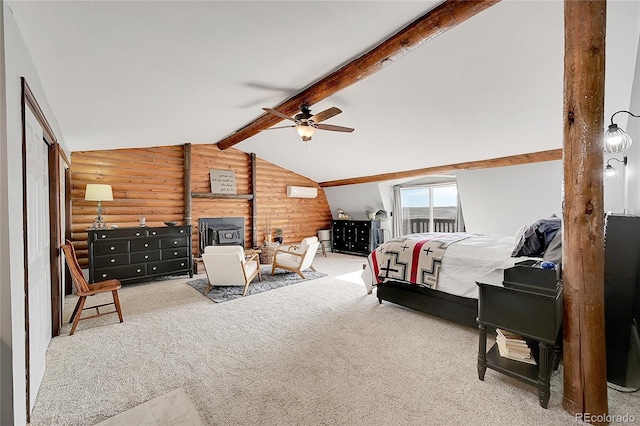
x: 428, y: 208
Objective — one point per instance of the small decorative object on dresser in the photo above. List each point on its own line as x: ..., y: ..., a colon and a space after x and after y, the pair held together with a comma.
x: 129, y: 254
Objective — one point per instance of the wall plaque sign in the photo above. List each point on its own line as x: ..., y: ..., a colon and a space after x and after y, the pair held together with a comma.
x: 222, y: 181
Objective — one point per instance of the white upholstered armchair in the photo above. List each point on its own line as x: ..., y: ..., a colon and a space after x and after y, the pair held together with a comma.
x: 228, y: 266
x: 296, y: 258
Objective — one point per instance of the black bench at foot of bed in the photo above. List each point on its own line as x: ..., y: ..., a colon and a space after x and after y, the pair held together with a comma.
x: 461, y: 310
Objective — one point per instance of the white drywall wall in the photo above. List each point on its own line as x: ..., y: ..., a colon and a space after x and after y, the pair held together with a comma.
x: 499, y: 201
x: 355, y: 200
x: 633, y: 129
x: 6, y: 381
x: 17, y: 63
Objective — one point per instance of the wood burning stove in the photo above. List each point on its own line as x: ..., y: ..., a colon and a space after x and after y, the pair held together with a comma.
x: 216, y: 231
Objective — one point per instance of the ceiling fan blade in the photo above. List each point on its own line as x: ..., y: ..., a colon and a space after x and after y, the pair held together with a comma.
x: 279, y: 127
x: 279, y: 114
x: 327, y: 113
x: 334, y: 128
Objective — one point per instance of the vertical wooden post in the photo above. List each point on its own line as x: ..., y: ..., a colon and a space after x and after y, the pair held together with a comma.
x: 254, y: 203
x: 187, y: 184
x: 55, y: 222
x: 68, y: 219
x: 585, y: 379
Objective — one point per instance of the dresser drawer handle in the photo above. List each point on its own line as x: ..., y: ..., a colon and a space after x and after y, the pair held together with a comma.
x: 139, y: 270
x: 182, y: 264
x: 103, y: 236
x: 104, y: 275
x: 113, y: 248
x: 113, y: 261
x: 146, y: 244
x: 182, y: 231
x: 175, y: 253
x: 155, y: 267
x: 175, y: 243
x: 146, y: 256
x: 153, y: 233
x: 137, y: 234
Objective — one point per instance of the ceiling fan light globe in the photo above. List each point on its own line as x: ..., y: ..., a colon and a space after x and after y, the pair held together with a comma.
x: 305, y: 130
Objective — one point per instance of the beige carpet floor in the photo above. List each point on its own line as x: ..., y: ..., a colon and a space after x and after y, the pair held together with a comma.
x: 320, y: 352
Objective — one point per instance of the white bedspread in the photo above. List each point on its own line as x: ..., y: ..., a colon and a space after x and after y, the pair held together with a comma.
x: 465, y: 261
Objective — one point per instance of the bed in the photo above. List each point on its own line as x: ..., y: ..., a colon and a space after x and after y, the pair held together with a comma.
x: 436, y: 273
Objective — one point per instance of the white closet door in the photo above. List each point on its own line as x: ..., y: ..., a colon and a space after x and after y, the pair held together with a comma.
x: 38, y: 237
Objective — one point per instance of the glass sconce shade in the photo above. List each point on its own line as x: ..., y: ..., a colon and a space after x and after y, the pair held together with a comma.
x: 616, y: 139
x: 610, y: 173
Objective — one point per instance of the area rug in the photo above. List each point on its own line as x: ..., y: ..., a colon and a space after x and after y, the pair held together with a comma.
x: 269, y: 282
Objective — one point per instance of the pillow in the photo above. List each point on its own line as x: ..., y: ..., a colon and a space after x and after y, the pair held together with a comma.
x: 553, y: 253
x: 549, y: 228
x: 535, y: 238
x: 519, y: 233
x: 531, y: 243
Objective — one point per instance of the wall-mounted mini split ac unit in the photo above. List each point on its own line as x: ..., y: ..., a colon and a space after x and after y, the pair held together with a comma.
x: 301, y: 192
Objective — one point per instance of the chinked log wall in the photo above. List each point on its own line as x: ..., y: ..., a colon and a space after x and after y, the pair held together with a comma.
x: 149, y: 182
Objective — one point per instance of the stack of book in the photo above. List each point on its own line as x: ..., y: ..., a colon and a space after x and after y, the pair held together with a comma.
x: 513, y: 346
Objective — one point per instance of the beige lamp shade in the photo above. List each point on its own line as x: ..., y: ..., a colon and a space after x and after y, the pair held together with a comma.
x: 98, y: 192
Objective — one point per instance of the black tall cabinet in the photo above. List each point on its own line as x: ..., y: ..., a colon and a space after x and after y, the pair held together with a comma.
x: 621, y: 293
x: 355, y: 236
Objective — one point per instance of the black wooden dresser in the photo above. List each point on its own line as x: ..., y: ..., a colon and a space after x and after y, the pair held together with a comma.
x: 133, y: 254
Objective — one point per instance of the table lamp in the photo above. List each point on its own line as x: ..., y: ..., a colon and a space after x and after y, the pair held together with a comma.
x: 98, y: 192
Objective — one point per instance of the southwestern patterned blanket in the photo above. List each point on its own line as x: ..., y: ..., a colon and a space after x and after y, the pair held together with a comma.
x: 414, y: 258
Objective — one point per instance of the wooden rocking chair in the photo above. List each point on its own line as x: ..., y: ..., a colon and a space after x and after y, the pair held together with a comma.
x: 83, y: 289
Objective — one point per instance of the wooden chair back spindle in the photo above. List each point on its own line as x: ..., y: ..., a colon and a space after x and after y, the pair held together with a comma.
x: 84, y: 289
x: 76, y: 272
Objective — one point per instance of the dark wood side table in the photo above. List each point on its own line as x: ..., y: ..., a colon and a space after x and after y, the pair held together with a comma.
x: 536, y: 316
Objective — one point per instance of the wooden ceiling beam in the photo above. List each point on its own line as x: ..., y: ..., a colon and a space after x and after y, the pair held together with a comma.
x: 428, y: 26
x: 513, y: 160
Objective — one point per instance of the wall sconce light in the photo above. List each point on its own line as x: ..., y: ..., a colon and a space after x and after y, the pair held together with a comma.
x: 98, y: 192
x: 610, y: 172
x: 616, y: 139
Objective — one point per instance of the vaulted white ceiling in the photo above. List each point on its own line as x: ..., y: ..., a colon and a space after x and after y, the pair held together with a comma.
x: 122, y: 74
